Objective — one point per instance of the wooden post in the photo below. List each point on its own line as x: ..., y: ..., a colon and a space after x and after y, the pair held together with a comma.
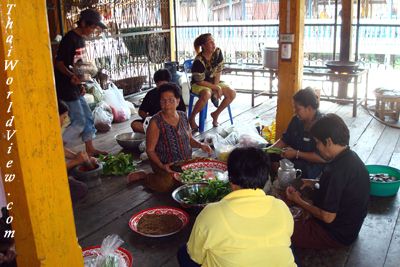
x: 32, y: 161
x: 172, y: 28
x: 290, y: 72
x: 346, y: 30
x: 345, y: 42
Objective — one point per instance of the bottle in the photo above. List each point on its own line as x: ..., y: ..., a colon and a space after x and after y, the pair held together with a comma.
x: 258, y: 125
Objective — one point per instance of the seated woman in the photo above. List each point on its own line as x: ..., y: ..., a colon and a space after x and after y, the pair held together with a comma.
x: 245, y: 228
x: 299, y: 145
x: 168, y: 139
x: 206, y: 73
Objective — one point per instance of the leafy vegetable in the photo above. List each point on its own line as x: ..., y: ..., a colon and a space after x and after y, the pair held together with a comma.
x: 215, y: 191
x: 192, y: 176
x: 120, y: 164
x: 273, y: 150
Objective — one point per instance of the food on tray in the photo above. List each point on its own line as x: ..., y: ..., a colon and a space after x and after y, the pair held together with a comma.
x: 214, y: 192
x: 159, y: 224
x: 192, y: 176
x: 382, y: 177
x: 120, y: 164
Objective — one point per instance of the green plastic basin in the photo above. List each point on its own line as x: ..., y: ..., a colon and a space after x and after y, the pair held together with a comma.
x: 384, y: 189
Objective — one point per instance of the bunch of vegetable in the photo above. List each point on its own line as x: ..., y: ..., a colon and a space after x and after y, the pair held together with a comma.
x: 273, y: 150
x: 215, y: 191
x: 192, y: 176
x: 120, y: 164
x: 268, y: 132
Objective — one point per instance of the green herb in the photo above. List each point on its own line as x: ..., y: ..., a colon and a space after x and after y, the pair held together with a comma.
x: 110, y: 261
x: 214, y: 192
x: 120, y: 164
x: 273, y: 150
x: 192, y: 176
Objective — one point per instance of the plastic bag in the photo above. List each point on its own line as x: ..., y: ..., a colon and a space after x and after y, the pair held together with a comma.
x: 131, y: 107
x: 97, y: 91
x: 108, y: 256
x: 115, y: 99
x: 223, y: 147
x: 248, y: 136
x: 103, y: 117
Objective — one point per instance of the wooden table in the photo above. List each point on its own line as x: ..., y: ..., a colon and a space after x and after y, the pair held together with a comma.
x: 252, y: 69
x: 317, y: 74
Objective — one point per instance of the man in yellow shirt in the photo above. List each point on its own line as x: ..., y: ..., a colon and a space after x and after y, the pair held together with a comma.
x: 245, y: 228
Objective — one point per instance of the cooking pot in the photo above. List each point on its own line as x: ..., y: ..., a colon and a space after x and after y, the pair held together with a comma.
x: 270, y: 57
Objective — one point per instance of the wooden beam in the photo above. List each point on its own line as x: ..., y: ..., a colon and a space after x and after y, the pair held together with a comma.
x: 41, y: 209
x: 346, y: 30
x: 172, y: 34
x: 290, y: 71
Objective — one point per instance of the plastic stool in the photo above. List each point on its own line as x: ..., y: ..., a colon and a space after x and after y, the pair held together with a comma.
x: 203, y: 112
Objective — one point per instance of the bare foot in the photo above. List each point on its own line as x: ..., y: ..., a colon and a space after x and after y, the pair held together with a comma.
x: 215, y: 119
x: 135, y: 176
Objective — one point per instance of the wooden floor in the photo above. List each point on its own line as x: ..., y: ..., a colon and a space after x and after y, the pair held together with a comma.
x: 108, y: 207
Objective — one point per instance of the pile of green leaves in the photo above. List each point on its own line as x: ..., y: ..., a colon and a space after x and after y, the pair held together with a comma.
x: 214, y: 192
x: 120, y: 164
x: 192, y: 176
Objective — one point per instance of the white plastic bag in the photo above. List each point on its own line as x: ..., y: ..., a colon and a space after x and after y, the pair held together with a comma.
x: 131, y: 107
x: 115, y: 99
x: 103, y: 117
x: 248, y: 136
x: 108, y: 255
x: 223, y: 147
x: 97, y: 91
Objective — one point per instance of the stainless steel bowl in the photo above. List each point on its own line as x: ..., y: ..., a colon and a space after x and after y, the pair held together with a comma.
x: 185, y: 191
x: 130, y: 140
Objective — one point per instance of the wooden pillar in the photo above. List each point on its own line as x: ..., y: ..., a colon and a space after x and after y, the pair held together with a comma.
x: 32, y: 160
x: 172, y: 35
x: 346, y: 30
x: 345, y: 43
x: 290, y: 71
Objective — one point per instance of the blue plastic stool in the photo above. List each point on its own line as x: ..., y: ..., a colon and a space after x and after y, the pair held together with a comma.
x: 203, y: 112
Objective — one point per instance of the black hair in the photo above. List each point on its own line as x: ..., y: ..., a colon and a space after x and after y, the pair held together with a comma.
x: 248, y: 167
x: 170, y: 87
x: 162, y: 75
x: 306, y: 97
x: 333, y: 127
x: 62, y: 107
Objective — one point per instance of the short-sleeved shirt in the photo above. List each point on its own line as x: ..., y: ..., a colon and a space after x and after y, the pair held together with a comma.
x: 245, y: 228
x: 151, y: 103
x: 204, y: 70
x: 300, y: 139
x: 344, y: 190
x: 70, y: 50
x: 173, y: 142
